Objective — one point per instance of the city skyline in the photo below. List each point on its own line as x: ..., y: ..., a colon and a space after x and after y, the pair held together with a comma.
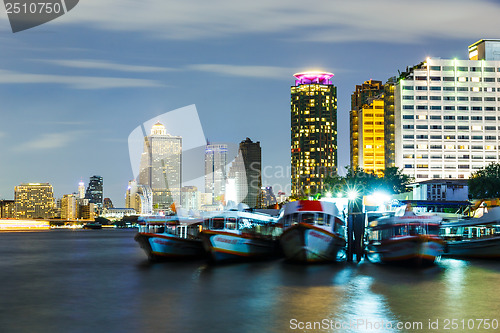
x: 78, y: 85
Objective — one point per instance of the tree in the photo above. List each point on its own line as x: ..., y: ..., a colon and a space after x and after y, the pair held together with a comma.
x: 485, y: 183
x: 395, y: 181
x: 364, y: 183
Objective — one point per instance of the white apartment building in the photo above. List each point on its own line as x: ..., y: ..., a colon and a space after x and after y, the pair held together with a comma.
x: 447, y: 117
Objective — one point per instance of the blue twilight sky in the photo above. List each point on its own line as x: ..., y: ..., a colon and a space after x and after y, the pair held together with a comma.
x: 72, y: 90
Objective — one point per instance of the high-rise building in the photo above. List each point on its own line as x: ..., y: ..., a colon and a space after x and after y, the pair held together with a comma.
x: 447, y: 116
x: 215, y: 170
x: 161, y: 167
x: 34, y: 200
x: 139, y: 197
x: 252, y: 158
x: 485, y: 49
x: 367, y: 127
x: 190, y: 198
x: 7, y: 209
x: 81, y: 190
x: 94, y: 191
x: 313, y: 132
x: 244, y: 178
x: 268, y: 197
x: 390, y: 159
x: 69, y: 207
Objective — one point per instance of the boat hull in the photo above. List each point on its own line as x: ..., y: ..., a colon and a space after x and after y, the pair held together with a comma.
x: 309, y: 244
x: 226, y: 246
x: 160, y: 247
x: 413, y: 250
x: 474, y: 248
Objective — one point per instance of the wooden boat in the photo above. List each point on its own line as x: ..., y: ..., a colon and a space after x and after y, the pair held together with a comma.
x: 313, y: 231
x: 241, y: 234
x: 473, y: 237
x: 409, y: 239
x: 170, y: 238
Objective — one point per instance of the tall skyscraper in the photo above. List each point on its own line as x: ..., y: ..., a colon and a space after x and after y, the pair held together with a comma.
x: 81, y: 190
x: 161, y: 167
x: 245, y: 179
x: 313, y: 132
x: 390, y: 157
x: 69, y: 207
x: 34, y: 200
x: 447, y: 117
x: 215, y: 170
x: 94, y: 191
x: 367, y: 127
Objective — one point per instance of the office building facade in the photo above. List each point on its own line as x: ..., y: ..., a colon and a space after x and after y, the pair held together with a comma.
x: 95, y: 190
x: 447, y: 118
x: 215, y: 171
x: 313, y: 132
x: 34, y: 200
x: 161, y: 167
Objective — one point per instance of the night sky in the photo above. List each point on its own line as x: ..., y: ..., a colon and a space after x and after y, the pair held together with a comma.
x: 72, y: 90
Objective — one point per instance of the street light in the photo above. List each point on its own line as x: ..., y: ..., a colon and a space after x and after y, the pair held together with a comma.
x: 352, y: 194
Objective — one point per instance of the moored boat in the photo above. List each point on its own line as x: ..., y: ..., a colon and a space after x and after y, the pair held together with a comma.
x: 172, y: 238
x: 241, y: 234
x: 409, y: 239
x: 313, y: 231
x: 473, y: 237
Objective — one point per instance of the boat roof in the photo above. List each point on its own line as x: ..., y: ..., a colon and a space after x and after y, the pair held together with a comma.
x: 408, y: 217
x: 246, y: 214
x: 492, y: 217
x: 311, y: 206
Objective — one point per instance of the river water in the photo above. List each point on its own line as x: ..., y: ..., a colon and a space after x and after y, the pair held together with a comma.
x: 101, y: 281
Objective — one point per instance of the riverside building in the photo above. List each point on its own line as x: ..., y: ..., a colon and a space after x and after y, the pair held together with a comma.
x: 215, y: 171
x: 447, y: 115
x: 34, y: 200
x: 313, y: 132
x: 160, y: 167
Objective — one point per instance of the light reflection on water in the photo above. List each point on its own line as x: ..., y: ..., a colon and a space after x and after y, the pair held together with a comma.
x: 100, y: 281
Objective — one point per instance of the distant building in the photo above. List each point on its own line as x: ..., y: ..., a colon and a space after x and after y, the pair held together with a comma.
x: 441, y: 190
x: 34, y: 200
x: 215, y: 170
x: 139, y: 198
x: 94, y: 191
x: 107, y: 203
x: 268, y: 197
x: 281, y: 197
x: 161, y: 167
x: 190, y: 198
x: 313, y: 132
x: 7, y: 209
x: 245, y: 179
x: 118, y: 213
x: 69, y: 207
x: 81, y: 190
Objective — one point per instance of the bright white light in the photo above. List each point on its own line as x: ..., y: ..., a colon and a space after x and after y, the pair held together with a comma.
x: 328, y: 194
x: 352, y: 194
x: 380, y: 197
x: 339, y: 195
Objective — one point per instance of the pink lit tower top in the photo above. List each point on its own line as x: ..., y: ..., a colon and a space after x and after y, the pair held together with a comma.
x: 313, y: 141
x: 313, y: 78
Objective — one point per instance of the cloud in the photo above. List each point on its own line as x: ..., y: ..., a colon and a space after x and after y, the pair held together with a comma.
x: 101, y: 64
x: 245, y: 71
x: 400, y: 21
x: 76, y: 82
x: 49, y: 141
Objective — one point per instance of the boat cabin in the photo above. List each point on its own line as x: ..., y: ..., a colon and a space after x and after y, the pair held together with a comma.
x: 386, y: 228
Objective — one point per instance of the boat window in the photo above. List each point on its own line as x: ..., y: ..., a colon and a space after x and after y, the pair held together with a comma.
x: 295, y: 218
x: 433, y: 229
x: 308, y: 218
x: 320, y: 219
x: 231, y: 223
x: 218, y: 223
